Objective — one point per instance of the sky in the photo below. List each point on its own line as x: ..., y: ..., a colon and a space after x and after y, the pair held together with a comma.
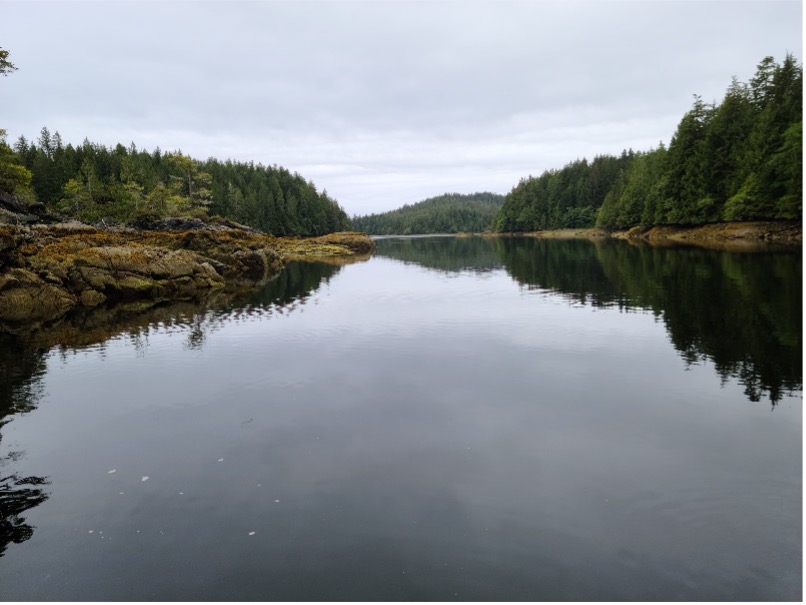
x: 382, y: 103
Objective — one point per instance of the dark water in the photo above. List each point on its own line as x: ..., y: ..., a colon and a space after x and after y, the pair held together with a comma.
x: 455, y: 419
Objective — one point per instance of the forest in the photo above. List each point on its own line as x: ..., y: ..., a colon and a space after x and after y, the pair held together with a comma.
x: 95, y: 183
x: 447, y: 213
x: 737, y: 160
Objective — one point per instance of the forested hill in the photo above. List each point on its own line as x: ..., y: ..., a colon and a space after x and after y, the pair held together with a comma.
x: 448, y: 213
x: 737, y: 160
x: 92, y: 182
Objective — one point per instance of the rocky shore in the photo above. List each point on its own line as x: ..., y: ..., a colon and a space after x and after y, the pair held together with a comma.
x: 48, y: 270
x: 738, y: 236
x: 757, y: 235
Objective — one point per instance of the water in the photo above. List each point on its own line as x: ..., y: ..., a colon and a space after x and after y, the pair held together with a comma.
x: 454, y: 419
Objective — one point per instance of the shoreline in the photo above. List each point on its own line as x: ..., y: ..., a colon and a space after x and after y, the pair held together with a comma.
x: 47, y: 271
x: 740, y: 236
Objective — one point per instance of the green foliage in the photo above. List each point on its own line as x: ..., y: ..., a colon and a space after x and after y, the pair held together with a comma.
x: 448, y: 213
x: 566, y: 198
x: 93, y: 183
x: 687, y: 165
x: 14, y: 177
x: 786, y: 164
x: 747, y: 203
x: 6, y: 66
x: 738, y: 160
x: 194, y: 183
x: 764, y: 178
x: 625, y: 203
x: 77, y: 200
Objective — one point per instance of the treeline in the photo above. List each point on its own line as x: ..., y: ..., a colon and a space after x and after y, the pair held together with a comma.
x: 448, y: 213
x: 569, y: 197
x: 92, y: 182
x: 737, y: 160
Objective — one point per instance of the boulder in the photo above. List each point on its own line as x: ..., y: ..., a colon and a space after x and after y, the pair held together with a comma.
x: 24, y: 296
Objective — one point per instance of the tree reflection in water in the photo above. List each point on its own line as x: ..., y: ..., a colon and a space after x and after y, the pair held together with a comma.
x: 21, y: 371
x: 23, y: 352
x: 740, y: 311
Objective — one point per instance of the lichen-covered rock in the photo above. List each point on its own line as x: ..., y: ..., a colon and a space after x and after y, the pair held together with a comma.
x: 24, y: 296
x: 750, y: 235
x: 91, y: 298
x: 252, y: 265
x: 170, y: 224
x: 330, y: 246
x: 48, y: 269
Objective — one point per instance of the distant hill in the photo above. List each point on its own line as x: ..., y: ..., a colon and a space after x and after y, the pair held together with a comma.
x: 448, y: 213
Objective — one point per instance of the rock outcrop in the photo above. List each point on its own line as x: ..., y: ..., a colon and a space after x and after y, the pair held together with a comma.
x: 750, y: 234
x: 741, y: 236
x: 47, y: 270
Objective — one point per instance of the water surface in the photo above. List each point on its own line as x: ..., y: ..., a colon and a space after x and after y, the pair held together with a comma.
x: 455, y: 419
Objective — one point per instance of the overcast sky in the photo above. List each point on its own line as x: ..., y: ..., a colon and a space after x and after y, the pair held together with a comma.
x: 381, y: 103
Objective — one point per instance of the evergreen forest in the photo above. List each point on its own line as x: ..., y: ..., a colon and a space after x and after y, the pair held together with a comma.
x: 737, y: 160
x: 95, y: 183
x: 447, y: 213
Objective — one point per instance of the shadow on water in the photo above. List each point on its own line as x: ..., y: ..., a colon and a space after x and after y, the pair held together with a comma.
x: 21, y: 371
x: 447, y: 254
x: 23, y: 359
x: 740, y: 311
x: 295, y: 284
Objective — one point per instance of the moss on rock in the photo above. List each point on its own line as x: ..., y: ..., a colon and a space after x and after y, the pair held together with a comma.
x: 47, y: 269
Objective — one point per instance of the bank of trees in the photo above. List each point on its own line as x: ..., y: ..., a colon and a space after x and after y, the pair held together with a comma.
x: 569, y: 197
x: 92, y: 182
x: 448, y: 213
x: 740, y: 159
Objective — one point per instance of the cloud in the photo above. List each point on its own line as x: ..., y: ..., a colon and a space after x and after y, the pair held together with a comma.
x: 382, y: 103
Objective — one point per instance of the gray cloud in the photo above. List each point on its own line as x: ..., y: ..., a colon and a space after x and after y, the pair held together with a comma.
x: 382, y: 103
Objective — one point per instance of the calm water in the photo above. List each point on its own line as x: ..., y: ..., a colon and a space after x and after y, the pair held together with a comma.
x: 454, y: 419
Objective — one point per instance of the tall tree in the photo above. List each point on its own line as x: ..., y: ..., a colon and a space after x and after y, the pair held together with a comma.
x: 768, y: 188
x: 195, y: 182
x: 15, y: 178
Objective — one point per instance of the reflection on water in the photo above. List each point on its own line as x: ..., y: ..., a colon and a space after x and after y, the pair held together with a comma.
x: 23, y: 359
x: 21, y: 370
x: 448, y: 254
x: 293, y: 287
x: 740, y: 311
x: 515, y: 424
x: 18, y: 494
